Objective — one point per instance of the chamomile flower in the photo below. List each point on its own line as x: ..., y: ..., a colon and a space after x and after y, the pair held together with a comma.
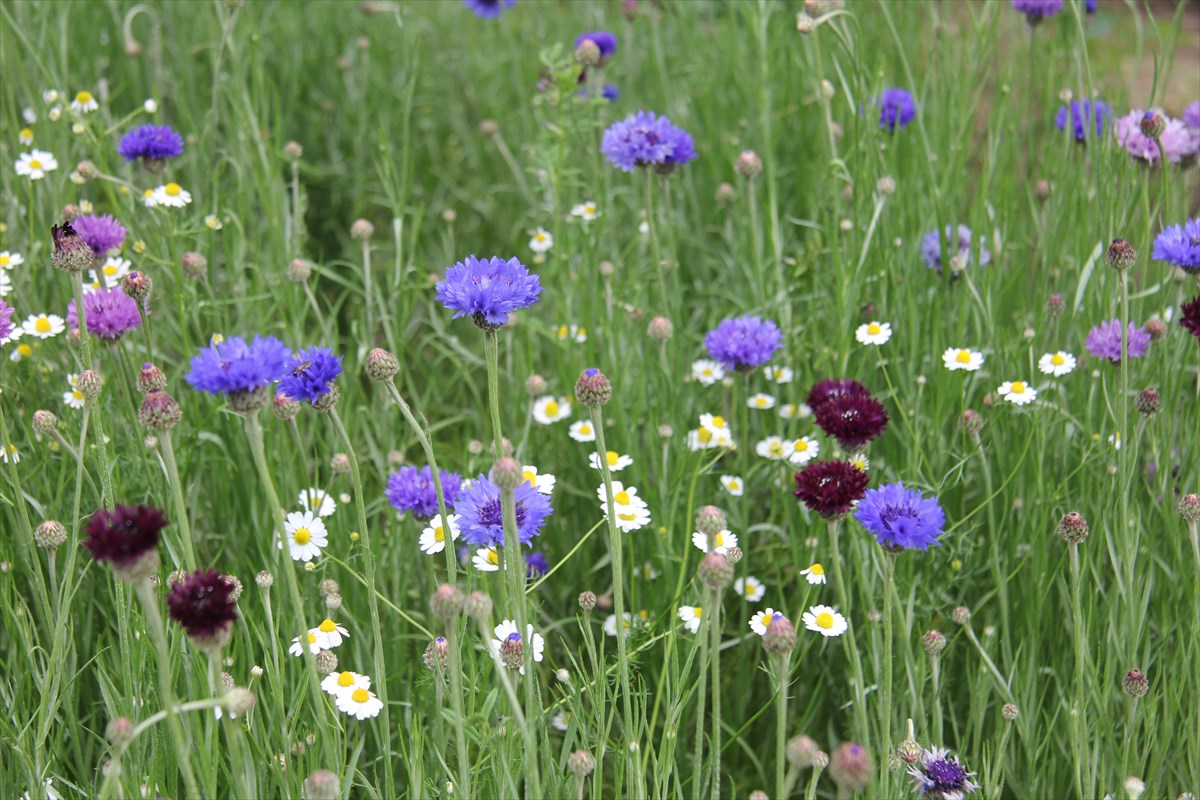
x: 631, y: 511
x: 803, y: 450
x: 111, y: 272
x: 171, y: 195
x: 859, y: 462
x: 762, y: 619
x: 543, y: 482
x: 433, y: 537
x: 582, y: 431
x: 875, y: 333
x: 73, y: 397
x: 561, y: 721
x: 317, y: 501
x: 815, y: 574
x: 649, y: 572
x: 733, y: 484
x: 21, y: 351
x: 616, y: 461
x: 35, y: 164
x: 213, y: 222
x: 691, y: 616
x: 825, y: 621
x: 549, y: 410
x: 572, y: 332
x: 586, y: 211
x: 707, y: 372
x: 329, y: 634
x: 778, y: 373
x: 705, y: 439
x: 761, y: 402
x: 723, y: 542
x: 795, y: 411
x: 960, y: 358
x: 25, y: 137
x: 1115, y: 440
x: 306, y: 535
x: 541, y: 241
x: 310, y: 639
x: 1057, y: 364
x: 10, y: 260
x: 5, y: 283
x: 1017, y: 392
x: 84, y: 103
x: 610, y: 624
x: 773, y: 448
x: 715, y: 424
x: 43, y: 326
x: 508, y: 644
x: 750, y: 588
x: 339, y: 683
x: 486, y: 559
x: 360, y: 704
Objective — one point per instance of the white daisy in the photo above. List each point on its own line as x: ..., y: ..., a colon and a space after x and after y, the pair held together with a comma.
x: 860, y: 462
x: 572, y: 332
x: 35, y: 164
x: 21, y: 351
x: 960, y: 358
x: 582, y: 431
x: 723, y: 543
x: 541, y: 241
x: 306, y: 535
x: 360, y: 704
x: 84, y: 103
x: 715, y: 424
x: 704, y: 439
x: 761, y: 402
x: 750, y: 588
x: 632, y: 511
x: 733, y: 484
x: 610, y: 624
x: 112, y: 271
x: 691, y: 617
x: 707, y: 372
x: 586, y: 211
x: 825, y: 621
x: 1057, y: 364
x: 779, y: 373
x: 649, y: 572
x: 310, y: 638
x: 804, y: 450
x: 433, y: 537
x: 795, y: 411
x: 561, y: 721
x: 29, y: 115
x: 10, y: 260
x: 486, y: 559
x: 542, y: 482
x: 773, y: 448
x: 548, y: 410
x: 213, y: 223
x: 1017, y: 392
x: 762, y: 619
x: 43, y: 326
x: 1115, y: 440
x: 55, y: 113
x: 51, y: 96
x: 616, y: 461
x: 73, y: 397
x: 632, y: 518
x: 875, y: 333
x: 339, y: 683
x: 171, y: 195
x: 505, y: 632
x: 815, y: 574
x: 5, y: 284
x: 317, y: 501
x: 25, y: 137
x: 329, y: 634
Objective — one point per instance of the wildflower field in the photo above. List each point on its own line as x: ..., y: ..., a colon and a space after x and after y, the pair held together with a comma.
x: 679, y: 399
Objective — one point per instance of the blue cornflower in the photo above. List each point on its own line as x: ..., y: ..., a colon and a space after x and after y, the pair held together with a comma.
x: 940, y: 776
x: 1180, y: 245
x: 604, y: 40
x: 234, y: 366
x: 488, y: 9
x: 488, y: 291
x: 647, y: 140
x: 480, y: 520
x: 312, y: 373
x: 1104, y: 341
x: 931, y: 247
x: 608, y: 92
x: 102, y: 234
x: 536, y: 564
x: 900, y: 518
x: 1036, y: 10
x: 743, y: 343
x: 151, y: 143
x: 1084, y: 116
x: 896, y: 109
x: 411, y: 489
x: 1090, y: 6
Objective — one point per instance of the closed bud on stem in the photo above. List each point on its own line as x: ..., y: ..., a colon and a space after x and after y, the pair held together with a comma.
x: 194, y: 265
x: 488, y: 128
x: 339, y: 464
x: 71, y: 253
x: 436, y: 654
x: 934, y: 642
x: 587, y: 601
x: 150, y: 379
x: 660, y: 329
x: 535, y: 385
x: 119, y: 731
x: 299, y: 270
x: 293, y: 151
x: 89, y: 384
x: 1135, y: 787
x: 850, y: 767
x: 593, y: 389
x: 581, y: 763
x: 711, y: 520
x: 748, y: 165
x: 1009, y: 711
x: 588, y: 53
x: 961, y: 615
x: 725, y: 194
x: 381, y: 365
x: 1135, y: 684
x: 1073, y: 528
x: 321, y: 785
x: 1055, y: 305
x: 715, y: 571
x: 802, y: 752
x: 478, y: 606
x: 159, y: 411
x: 44, y: 422
x: 1189, y: 507
x: 325, y: 662
x: 1152, y: 124
x: 1148, y: 402
x: 263, y: 580
x: 50, y: 534
x: 780, y: 638
x: 138, y: 286
x: 507, y: 473
x: 239, y: 700
x: 735, y: 555
x: 1120, y: 255
x: 283, y: 407
x: 447, y: 601
x: 972, y: 422
x: 362, y: 230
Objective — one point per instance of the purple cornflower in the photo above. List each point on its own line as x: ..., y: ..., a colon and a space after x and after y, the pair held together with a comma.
x: 1191, y: 115
x: 852, y: 419
x: 1179, y: 245
x: 153, y: 144
x: 1104, y: 341
x: 647, y: 140
x: 536, y: 564
x: 940, y: 776
x: 896, y: 109
x: 1179, y: 141
x: 1090, y: 6
x: 830, y: 388
x: 311, y: 374
x: 110, y: 314
x: 125, y: 534
x: 1084, y: 116
x: 6, y: 326
x: 488, y: 9
x: 931, y: 247
x: 743, y: 343
x: 608, y: 92
x: 102, y: 234
x: 488, y: 291
x: 478, y: 509
x: 1036, y: 10
x: 900, y: 518
x: 411, y: 489
x: 203, y: 604
x: 604, y: 40
x: 830, y: 488
x: 235, y: 366
x: 1189, y: 316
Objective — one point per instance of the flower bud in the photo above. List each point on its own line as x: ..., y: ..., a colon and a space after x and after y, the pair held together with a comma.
x: 850, y: 767
x: 333, y: 601
x: 325, y: 662
x: 660, y: 329
x: 725, y: 194
x: 1135, y: 684
x: 264, y: 580
x: 138, y: 286
x: 1189, y: 507
x: 1055, y: 305
x: 283, y: 407
x: 582, y: 763
x: 711, y: 520
x: 961, y: 615
x: 447, y: 601
x: 159, y: 411
x: 1152, y: 124
x: 299, y: 270
x: 1148, y: 402
x: 194, y: 265
x: 119, y: 731
x: 488, y: 128
x: 802, y: 752
x: 512, y: 651
x: 478, y: 606
x: 934, y: 642
x: 1073, y: 528
x: 780, y: 638
x: 562, y: 676
x: 89, y: 384
x: 71, y: 253
x: 293, y: 151
x: 381, y: 365
x: 715, y: 571
x: 588, y: 53
x: 321, y: 785
x: 735, y: 555
x: 535, y: 385
x: 436, y: 654
x: 507, y: 473
x: 239, y: 700
x: 1120, y: 255
x: 593, y: 389
x: 1134, y: 787
x: 587, y: 601
x: 70, y: 211
x: 339, y: 464
x: 748, y: 165
x: 150, y: 379
x: 362, y: 230
x: 1009, y: 711
x: 50, y: 534
x: 606, y: 269
x: 44, y: 422
x: 250, y: 401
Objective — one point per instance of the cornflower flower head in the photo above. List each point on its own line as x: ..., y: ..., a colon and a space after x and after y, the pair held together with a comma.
x: 1179, y: 245
x: 1191, y: 115
x: 931, y: 247
x: 1104, y: 341
x: 901, y: 518
x: 743, y: 343
x: 311, y: 374
x: 127, y: 538
x: 110, y: 314
x: 853, y: 419
x: 6, y: 325
x: 647, y: 140
x: 604, y: 41
x: 480, y: 519
x: 939, y: 776
x: 830, y: 488
x: 101, y: 233
x: 1085, y: 119
x: 896, y: 109
x: 203, y: 604
x: 830, y: 388
x: 242, y: 371
x: 1178, y: 140
x: 488, y: 291
x: 488, y: 9
x: 152, y: 145
x: 411, y: 490
x: 508, y: 646
x: 536, y: 564
x: 1037, y: 10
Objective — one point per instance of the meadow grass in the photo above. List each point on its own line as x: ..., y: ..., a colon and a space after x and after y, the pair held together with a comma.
x: 430, y: 124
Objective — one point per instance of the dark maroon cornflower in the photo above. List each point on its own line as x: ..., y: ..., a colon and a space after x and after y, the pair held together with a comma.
x: 203, y: 604
x: 1190, y: 318
x: 124, y: 536
x: 853, y: 419
x: 831, y: 388
x: 830, y: 488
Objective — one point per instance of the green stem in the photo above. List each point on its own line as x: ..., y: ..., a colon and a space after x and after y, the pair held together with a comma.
x: 1129, y: 550
x: 368, y: 294
x: 701, y: 701
x: 885, y: 704
x: 714, y: 627
x: 1077, y: 718
x: 657, y: 266
x: 781, y: 704
x: 514, y: 580
x: 93, y: 403
x: 241, y: 767
x: 860, y: 703
x: 491, y: 351
x: 936, y: 680
x: 456, y: 699
x: 181, y: 513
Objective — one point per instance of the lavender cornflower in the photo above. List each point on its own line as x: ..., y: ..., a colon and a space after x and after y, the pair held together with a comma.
x: 900, y: 518
x: 411, y: 490
x: 203, y: 604
x: 1036, y: 10
x: 152, y: 144
x: 1104, y: 341
x: 312, y: 373
x: 235, y: 366
x: 110, y: 314
x: 488, y: 291
x: 480, y: 520
x: 939, y: 776
x: 6, y: 326
x: 1179, y: 141
x: 647, y: 140
x: 743, y: 343
x: 931, y: 248
x: 1084, y: 116
x: 102, y: 234
x: 488, y: 9
x: 1191, y: 115
x: 896, y: 109
x: 1179, y: 245
x: 608, y: 92
x: 605, y: 41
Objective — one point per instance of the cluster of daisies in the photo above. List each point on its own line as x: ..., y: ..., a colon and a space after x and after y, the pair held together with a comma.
x: 351, y: 691
x: 305, y: 528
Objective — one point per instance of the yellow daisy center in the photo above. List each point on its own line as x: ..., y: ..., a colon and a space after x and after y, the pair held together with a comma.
x: 562, y: 331
x: 718, y: 422
x: 551, y: 409
x: 585, y: 429
x: 311, y: 639
x: 613, y: 457
x: 541, y: 237
x: 328, y: 626
x: 1057, y: 360
x: 35, y: 164
x: 5, y: 261
x: 302, y: 536
x: 26, y: 133
x: 825, y: 620
x: 751, y: 587
x: 25, y: 350
x: 360, y: 696
x: 438, y: 534
x: 704, y: 435
x: 817, y: 569
x: 627, y: 517
x: 622, y: 498
x: 776, y: 448
x: 148, y: 193
x: 589, y: 208
x: 859, y: 464
x: 173, y: 189
x: 530, y: 477
x: 764, y: 619
x: 874, y: 329
x: 697, y: 610
x: 83, y: 97
x: 42, y: 325
x: 800, y: 446
x: 720, y: 539
x: 1018, y: 387
x: 581, y: 332
x: 760, y: 401
x: 345, y: 680
x: 734, y: 485
x: 963, y: 357
x: 492, y: 558
x: 110, y: 269
x: 76, y: 395
x: 644, y: 614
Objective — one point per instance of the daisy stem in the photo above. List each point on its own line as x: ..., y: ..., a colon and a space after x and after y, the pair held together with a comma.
x: 714, y: 627
x: 376, y: 630
x: 701, y: 700
x: 860, y: 704
x: 514, y: 579
x: 456, y: 699
x: 998, y: 782
x: 368, y: 299
x: 181, y: 515
x: 85, y: 350
x: 241, y: 767
x: 885, y: 705
x: 154, y: 627
x: 1077, y: 718
x: 781, y: 704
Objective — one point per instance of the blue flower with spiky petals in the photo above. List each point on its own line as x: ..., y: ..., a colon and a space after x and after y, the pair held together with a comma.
x: 311, y: 374
x: 234, y: 365
x: 488, y: 9
x: 940, y: 776
x: 151, y: 143
x: 743, y: 343
x: 488, y: 291
x: 412, y: 489
x: 480, y: 518
x: 1179, y: 245
x: 901, y: 518
x: 647, y: 140
x: 1084, y: 118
